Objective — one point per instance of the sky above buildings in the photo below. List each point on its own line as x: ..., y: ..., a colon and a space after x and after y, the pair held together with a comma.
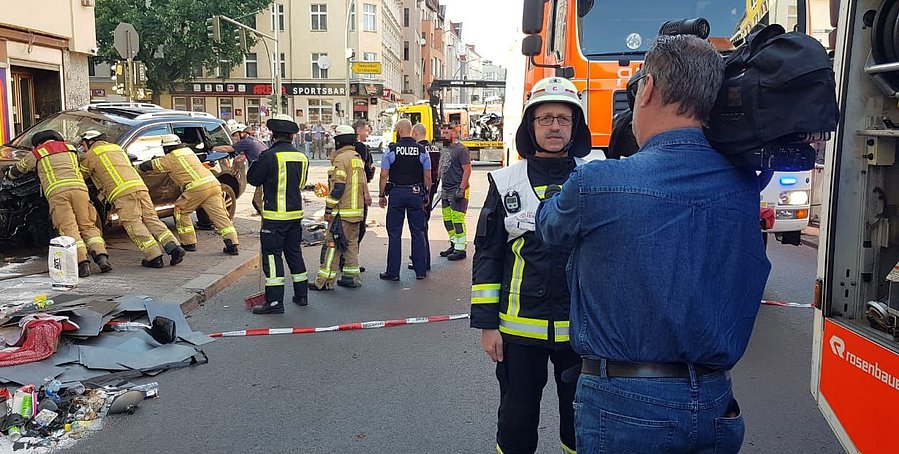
x: 490, y: 25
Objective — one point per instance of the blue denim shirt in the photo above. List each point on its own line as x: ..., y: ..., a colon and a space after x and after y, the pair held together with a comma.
x: 668, y: 262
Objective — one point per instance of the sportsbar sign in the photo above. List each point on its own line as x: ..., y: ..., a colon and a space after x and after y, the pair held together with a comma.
x: 260, y: 89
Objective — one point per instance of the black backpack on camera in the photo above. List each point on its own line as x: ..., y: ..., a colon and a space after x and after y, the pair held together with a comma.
x: 778, y: 95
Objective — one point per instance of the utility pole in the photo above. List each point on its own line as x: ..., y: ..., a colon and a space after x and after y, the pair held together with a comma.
x: 348, y: 60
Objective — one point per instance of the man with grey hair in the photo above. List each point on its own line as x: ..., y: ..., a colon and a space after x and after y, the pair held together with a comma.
x: 675, y: 230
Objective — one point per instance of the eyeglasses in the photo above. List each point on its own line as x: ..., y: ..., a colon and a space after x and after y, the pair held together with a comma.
x: 632, y: 88
x: 548, y: 120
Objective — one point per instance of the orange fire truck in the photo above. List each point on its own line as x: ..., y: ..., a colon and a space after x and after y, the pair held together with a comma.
x: 855, y: 357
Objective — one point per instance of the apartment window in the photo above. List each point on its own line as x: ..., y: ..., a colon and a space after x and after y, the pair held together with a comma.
x: 253, y: 110
x: 91, y: 67
x: 223, y: 70
x: 251, y: 65
x: 369, y: 56
x: 319, y: 18
x: 321, y: 110
x: 317, y: 71
x: 369, y: 17
x: 198, y: 104
x: 282, y: 62
x: 352, y: 20
x: 179, y: 103
x: 226, y: 108
x: 405, y: 50
x: 405, y: 17
x: 278, y: 17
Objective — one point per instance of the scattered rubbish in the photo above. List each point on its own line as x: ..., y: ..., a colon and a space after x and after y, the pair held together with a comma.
x: 313, y: 232
x: 63, y: 263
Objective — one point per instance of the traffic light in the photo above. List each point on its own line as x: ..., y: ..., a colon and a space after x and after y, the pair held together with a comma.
x: 240, y: 36
x: 214, y: 29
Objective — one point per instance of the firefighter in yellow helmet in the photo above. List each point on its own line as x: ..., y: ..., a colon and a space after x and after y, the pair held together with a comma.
x: 199, y: 188
x: 63, y: 184
x: 120, y: 184
x: 347, y: 198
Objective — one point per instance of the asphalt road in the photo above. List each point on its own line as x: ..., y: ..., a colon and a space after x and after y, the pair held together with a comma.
x: 425, y: 388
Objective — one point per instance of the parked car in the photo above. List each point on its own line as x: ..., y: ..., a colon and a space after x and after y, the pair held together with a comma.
x: 375, y: 142
x: 136, y: 127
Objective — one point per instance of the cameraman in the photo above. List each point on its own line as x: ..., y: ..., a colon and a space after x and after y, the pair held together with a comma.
x: 675, y: 230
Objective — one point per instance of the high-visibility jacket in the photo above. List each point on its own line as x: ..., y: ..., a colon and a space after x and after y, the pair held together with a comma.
x: 348, y: 184
x: 281, y: 171
x: 108, y: 166
x: 57, y: 167
x: 185, y: 169
x: 518, y: 282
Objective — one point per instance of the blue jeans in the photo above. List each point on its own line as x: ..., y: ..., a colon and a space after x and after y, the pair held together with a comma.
x: 657, y: 415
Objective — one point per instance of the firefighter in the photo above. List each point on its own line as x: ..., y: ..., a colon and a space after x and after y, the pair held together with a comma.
x: 405, y: 179
x: 199, y: 188
x: 281, y: 171
x: 120, y: 184
x: 516, y: 299
x: 63, y: 185
x: 348, y: 196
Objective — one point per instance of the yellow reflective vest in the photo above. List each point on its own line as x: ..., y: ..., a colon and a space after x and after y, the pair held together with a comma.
x: 57, y: 167
x: 185, y: 169
x: 108, y: 166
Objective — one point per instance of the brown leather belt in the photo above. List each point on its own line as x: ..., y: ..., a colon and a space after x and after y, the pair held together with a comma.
x: 591, y: 366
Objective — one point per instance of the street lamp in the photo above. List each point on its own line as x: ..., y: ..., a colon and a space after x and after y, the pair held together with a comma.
x: 348, y: 58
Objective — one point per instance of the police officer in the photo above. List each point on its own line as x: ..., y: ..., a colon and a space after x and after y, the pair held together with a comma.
x: 120, y: 184
x: 420, y: 134
x: 516, y: 298
x: 406, y: 178
x: 63, y: 185
x: 347, y: 198
x: 199, y: 188
x: 281, y: 171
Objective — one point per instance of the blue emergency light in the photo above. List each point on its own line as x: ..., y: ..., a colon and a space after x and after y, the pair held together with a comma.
x: 788, y: 181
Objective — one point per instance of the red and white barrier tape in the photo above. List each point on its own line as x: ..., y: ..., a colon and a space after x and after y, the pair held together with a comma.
x: 345, y: 327
x: 785, y: 304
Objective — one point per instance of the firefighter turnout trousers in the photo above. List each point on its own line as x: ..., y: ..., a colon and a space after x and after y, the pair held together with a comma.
x: 327, y: 274
x: 73, y: 215
x: 277, y: 238
x: 522, y: 375
x: 454, y: 210
x: 138, y: 215
x: 209, y: 197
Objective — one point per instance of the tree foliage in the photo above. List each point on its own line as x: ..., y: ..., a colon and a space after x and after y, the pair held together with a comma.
x: 178, y: 28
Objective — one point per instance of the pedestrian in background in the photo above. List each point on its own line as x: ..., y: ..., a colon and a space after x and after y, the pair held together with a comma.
x: 119, y: 184
x: 62, y: 183
x: 405, y: 180
x: 674, y: 230
x: 455, y: 172
x: 248, y: 146
x: 516, y: 298
x: 347, y: 198
x: 318, y: 140
x: 281, y: 171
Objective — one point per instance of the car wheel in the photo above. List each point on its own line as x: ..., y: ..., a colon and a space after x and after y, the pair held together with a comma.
x: 230, y: 199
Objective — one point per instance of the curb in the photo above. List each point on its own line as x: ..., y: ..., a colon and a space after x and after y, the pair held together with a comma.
x: 207, y: 285
x: 810, y: 243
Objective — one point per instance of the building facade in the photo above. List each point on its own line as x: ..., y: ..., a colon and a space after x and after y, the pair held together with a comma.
x: 433, y: 51
x: 318, y: 83
x: 412, y: 46
x: 43, y: 60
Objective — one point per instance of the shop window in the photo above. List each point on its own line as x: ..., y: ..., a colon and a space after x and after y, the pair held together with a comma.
x: 179, y: 103
x: 253, y: 111
x: 226, y: 108
x: 198, y: 104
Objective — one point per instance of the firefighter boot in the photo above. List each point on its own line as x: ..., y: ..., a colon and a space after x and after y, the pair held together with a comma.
x: 301, y: 294
x: 230, y: 248
x: 348, y: 282
x: 449, y: 251
x: 457, y: 255
x: 102, y: 260
x: 270, y: 307
x: 155, y: 263
x: 189, y: 247
x: 175, y: 251
x: 84, y: 269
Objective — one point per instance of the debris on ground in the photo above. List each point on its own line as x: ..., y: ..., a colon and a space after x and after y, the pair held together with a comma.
x: 66, y: 362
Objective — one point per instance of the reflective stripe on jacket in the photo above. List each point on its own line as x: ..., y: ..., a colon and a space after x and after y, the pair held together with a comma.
x: 57, y: 167
x: 185, y: 169
x: 348, y: 168
x: 281, y: 171
x: 110, y: 168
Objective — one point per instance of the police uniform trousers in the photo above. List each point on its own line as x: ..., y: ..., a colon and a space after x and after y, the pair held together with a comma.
x: 347, y: 260
x: 454, y: 210
x: 522, y: 375
x: 73, y: 215
x: 402, y: 203
x: 277, y: 238
x: 208, y: 196
x: 138, y: 215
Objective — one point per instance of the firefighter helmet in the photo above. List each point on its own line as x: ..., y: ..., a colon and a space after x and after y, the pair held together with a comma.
x: 45, y: 135
x: 344, y: 130
x: 553, y: 90
x: 282, y: 123
x: 171, y: 140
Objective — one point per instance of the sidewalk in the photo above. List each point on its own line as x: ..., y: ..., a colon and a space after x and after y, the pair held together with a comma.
x: 810, y: 236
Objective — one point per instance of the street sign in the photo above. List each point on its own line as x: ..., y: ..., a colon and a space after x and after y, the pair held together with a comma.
x: 126, y: 40
x: 367, y: 67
